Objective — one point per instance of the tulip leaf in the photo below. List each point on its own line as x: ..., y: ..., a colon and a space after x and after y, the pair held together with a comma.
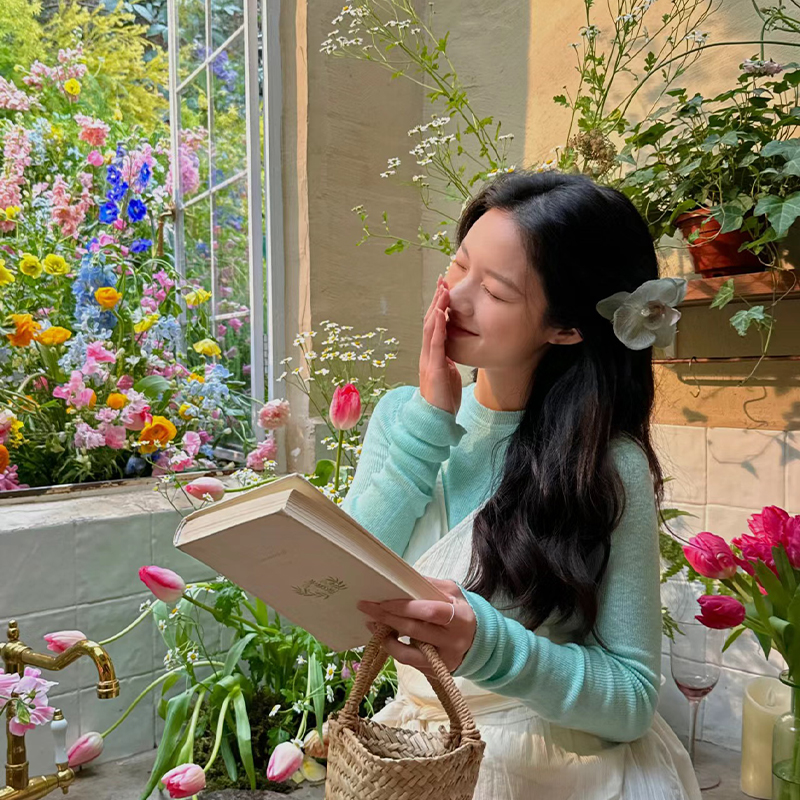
x: 152, y: 386
x: 243, y: 737
x: 732, y: 638
x: 229, y: 759
x: 177, y: 709
x: 785, y: 569
x: 323, y: 472
x: 778, y: 596
x: 793, y: 615
x: 317, y: 687
x: 261, y: 613
x: 235, y: 653
x: 764, y: 609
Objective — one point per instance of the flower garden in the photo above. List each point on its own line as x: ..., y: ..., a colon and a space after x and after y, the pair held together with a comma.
x: 125, y: 358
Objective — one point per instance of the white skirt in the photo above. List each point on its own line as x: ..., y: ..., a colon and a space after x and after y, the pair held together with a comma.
x: 528, y: 758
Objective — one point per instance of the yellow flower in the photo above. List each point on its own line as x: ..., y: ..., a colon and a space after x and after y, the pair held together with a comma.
x: 26, y: 330
x: 197, y: 297
x: 72, y: 87
x: 207, y: 347
x: 117, y: 400
x: 158, y: 433
x: 107, y: 297
x: 6, y: 276
x: 183, y: 411
x: 195, y: 377
x: 55, y: 265
x: 11, y: 212
x: 54, y: 335
x: 146, y: 323
x: 118, y: 114
x: 30, y: 265
x: 15, y: 432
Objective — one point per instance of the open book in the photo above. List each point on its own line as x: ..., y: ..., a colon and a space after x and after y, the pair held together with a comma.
x: 288, y: 544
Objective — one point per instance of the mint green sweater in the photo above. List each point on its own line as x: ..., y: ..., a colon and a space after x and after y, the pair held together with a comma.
x: 612, y: 692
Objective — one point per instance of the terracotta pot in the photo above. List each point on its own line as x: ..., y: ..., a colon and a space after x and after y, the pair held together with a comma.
x: 715, y: 254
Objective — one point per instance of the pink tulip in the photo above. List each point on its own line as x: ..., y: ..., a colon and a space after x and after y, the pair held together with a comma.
x: 285, y: 760
x: 791, y: 540
x: 184, y: 781
x: 345, y: 407
x: 200, y: 487
x: 719, y: 611
x: 711, y: 556
x: 165, y: 584
x: 60, y: 641
x: 754, y: 548
x: 85, y: 749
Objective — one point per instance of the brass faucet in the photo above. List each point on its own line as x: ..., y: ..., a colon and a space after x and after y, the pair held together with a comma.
x: 17, y: 655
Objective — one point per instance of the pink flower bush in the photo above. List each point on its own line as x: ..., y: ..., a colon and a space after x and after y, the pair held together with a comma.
x: 11, y: 98
x: 274, y: 414
x: 93, y: 131
x: 87, y: 438
x: 95, y: 158
x: 9, y: 480
x: 184, y: 781
x: 165, y: 584
x: 69, y: 209
x: 265, y: 451
x: 87, y: 748
x: 75, y: 391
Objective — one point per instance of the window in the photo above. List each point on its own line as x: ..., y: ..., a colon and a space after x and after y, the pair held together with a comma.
x: 228, y: 218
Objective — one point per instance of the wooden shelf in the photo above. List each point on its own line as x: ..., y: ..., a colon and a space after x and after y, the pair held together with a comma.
x: 754, y: 285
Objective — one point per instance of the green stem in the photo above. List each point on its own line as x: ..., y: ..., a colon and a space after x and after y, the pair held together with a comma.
x: 338, y: 462
x: 187, y: 752
x: 130, y: 627
x: 149, y: 688
x: 235, y: 617
x: 220, y: 725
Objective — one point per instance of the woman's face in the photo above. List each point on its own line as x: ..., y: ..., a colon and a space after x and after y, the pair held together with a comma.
x: 496, y: 298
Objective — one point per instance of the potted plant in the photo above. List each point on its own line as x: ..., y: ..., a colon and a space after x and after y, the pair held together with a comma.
x: 723, y: 170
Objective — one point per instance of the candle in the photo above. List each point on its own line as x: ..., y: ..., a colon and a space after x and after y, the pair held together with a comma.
x: 765, y: 699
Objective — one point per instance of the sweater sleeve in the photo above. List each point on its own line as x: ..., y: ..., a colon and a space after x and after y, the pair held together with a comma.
x: 611, y: 693
x: 406, y: 442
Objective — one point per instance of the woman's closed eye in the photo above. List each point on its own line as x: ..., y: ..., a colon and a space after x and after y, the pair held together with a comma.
x: 494, y: 296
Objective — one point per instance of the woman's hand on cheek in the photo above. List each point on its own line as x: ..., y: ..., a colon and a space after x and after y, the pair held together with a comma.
x: 428, y: 621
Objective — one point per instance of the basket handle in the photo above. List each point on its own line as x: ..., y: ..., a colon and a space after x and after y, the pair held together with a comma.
x: 462, y: 723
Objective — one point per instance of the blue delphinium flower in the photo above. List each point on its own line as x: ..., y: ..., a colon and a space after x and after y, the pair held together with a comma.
x: 145, y: 174
x: 113, y: 175
x: 136, y: 210
x: 109, y: 212
x: 117, y: 192
x: 207, y: 450
x: 167, y: 331
x: 141, y: 245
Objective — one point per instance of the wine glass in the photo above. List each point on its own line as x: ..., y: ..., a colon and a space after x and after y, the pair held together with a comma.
x: 695, y: 659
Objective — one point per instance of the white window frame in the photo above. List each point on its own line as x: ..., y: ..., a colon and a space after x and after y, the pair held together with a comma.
x: 264, y: 184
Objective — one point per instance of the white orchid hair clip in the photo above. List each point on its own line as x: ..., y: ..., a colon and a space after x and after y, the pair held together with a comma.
x: 646, y: 316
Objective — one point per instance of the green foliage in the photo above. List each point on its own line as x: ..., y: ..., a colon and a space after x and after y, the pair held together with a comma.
x: 20, y: 36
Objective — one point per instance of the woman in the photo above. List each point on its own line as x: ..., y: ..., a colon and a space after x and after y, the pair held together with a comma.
x: 531, y: 495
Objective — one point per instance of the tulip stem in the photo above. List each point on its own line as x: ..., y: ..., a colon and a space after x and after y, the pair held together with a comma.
x: 187, y: 756
x: 145, y: 613
x: 235, y: 617
x: 218, y: 735
x: 155, y: 683
x: 338, y: 462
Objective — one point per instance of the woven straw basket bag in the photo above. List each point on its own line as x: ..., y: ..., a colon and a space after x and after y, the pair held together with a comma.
x: 370, y: 761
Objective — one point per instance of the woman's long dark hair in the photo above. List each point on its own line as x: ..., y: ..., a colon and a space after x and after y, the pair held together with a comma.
x: 542, y: 541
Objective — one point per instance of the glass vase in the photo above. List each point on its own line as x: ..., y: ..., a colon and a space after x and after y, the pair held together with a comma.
x: 786, y: 746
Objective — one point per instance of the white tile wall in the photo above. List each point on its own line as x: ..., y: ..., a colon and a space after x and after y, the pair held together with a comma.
x: 73, y: 564
x: 722, y: 475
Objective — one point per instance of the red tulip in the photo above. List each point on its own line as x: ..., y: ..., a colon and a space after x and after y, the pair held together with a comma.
x: 711, y: 556
x: 719, y: 611
x: 184, y: 781
x: 85, y: 749
x: 791, y: 540
x: 60, y: 641
x: 754, y: 548
x: 769, y: 523
x: 165, y: 584
x: 285, y: 760
x: 345, y: 407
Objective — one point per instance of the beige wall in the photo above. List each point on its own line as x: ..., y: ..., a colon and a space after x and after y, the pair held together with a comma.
x: 344, y: 119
